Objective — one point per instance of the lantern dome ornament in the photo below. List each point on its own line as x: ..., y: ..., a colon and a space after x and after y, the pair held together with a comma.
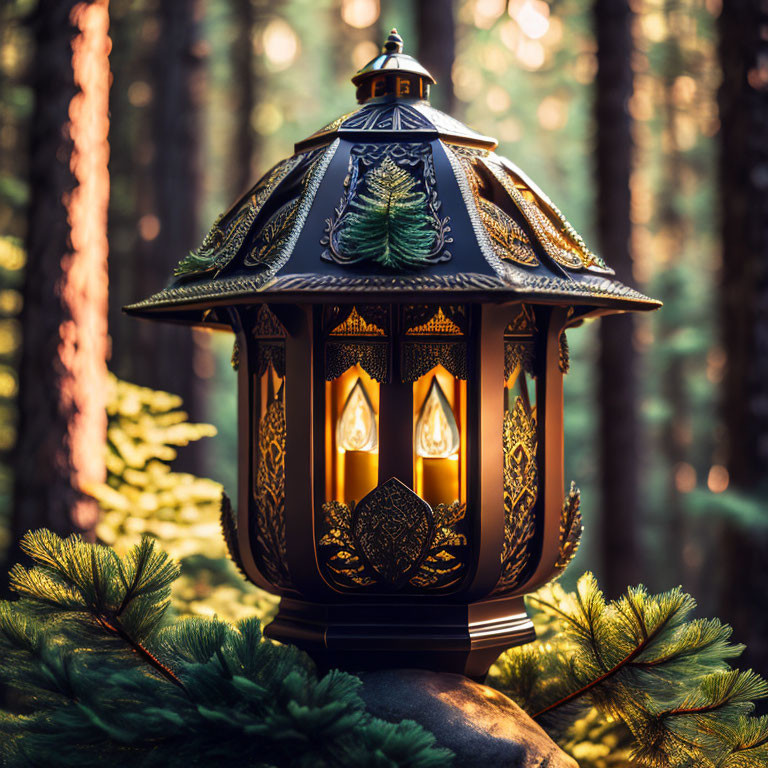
x: 399, y: 294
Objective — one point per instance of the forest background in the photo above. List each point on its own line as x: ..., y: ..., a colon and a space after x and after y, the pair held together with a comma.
x: 644, y: 120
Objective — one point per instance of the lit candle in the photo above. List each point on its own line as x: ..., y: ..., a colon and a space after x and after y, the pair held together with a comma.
x: 357, y: 437
x: 437, y: 442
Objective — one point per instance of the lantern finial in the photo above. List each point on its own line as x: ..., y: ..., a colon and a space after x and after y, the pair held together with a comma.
x: 394, y: 43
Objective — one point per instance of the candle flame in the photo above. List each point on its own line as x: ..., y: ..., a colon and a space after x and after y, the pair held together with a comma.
x: 356, y: 430
x: 437, y: 434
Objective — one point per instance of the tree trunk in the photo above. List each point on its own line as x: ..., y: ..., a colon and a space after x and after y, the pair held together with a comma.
x: 618, y: 363
x: 244, y: 163
x: 164, y: 175
x: 436, y: 30
x: 62, y: 371
x: 743, y: 101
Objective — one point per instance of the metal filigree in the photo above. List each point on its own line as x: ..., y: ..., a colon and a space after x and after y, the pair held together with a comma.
x: 507, y: 237
x: 270, y: 353
x: 269, y: 502
x: 229, y: 231
x: 341, y: 559
x: 393, y: 528
x: 446, y: 561
x: 439, y: 566
x: 523, y: 323
x: 520, y: 489
x: 506, y: 282
x: 377, y: 315
x: 267, y: 324
x: 571, y: 529
x: 386, y: 117
x: 389, y: 212
x: 559, y: 239
x: 234, y: 361
x: 372, y: 358
x: 431, y: 320
x: 356, y: 325
x: 519, y: 355
x: 418, y: 358
x: 273, y: 235
x: 564, y: 358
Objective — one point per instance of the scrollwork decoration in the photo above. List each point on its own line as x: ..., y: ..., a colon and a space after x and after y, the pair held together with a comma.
x: 520, y: 491
x: 418, y: 358
x: 269, y: 502
x: 372, y: 358
x: 437, y: 562
x: 270, y: 353
x: 434, y: 320
x: 571, y: 529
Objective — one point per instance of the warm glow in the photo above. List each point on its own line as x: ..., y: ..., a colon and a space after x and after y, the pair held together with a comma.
x: 718, y: 478
x: 437, y: 435
x: 532, y: 16
x: 360, y: 13
x: 356, y: 430
x: 281, y: 46
x: 363, y: 52
x: 685, y: 477
x: 83, y: 338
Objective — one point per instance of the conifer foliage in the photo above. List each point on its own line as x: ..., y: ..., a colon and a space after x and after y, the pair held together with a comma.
x: 101, y: 679
x: 644, y: 662
x: 391, y: 223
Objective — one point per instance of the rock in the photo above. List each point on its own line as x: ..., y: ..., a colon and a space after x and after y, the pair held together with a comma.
x: 482, y: 726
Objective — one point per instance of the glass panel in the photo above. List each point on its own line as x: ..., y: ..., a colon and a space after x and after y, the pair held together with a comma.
x: 439, y: 437
x: 351, y: 435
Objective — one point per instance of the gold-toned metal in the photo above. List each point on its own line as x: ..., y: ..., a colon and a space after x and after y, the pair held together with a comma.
x: 507, y: 237
x: 553, y: 231
x: 446, y: 560
x: 273, y: 235
x: 418, y: 358
x: 571, y: 529
x: 270, y: 495
x: 356, y: 325
x: 393, y: 528
x: 520, y: 490
x: 437, y: 325
x: 342, y: 355
x: 267, y: 325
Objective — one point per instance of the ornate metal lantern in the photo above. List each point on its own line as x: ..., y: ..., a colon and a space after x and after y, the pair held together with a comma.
x: 399, y: 294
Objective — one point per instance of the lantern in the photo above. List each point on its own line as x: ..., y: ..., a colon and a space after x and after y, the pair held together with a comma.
x: 399, y: 295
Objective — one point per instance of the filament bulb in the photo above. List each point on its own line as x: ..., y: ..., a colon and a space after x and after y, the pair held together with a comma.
x: 356, y: 430
x: 437, y: 434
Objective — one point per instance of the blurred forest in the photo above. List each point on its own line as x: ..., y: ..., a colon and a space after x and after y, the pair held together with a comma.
x: 646, y: 121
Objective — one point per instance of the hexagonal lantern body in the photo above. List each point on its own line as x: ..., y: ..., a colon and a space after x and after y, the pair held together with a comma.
x: 399, y: 294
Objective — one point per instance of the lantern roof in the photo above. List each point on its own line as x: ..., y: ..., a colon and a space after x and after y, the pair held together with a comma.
x: 396, y: 201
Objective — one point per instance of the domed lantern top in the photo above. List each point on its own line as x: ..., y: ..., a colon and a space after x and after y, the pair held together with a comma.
x: 396, y: 199
x: 400, y: 295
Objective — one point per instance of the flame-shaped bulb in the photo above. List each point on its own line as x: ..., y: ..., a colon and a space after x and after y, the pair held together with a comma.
x: 437, y: 434
x: 356, y: 430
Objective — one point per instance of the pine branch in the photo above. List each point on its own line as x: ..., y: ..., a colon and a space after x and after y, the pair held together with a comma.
x: 643, y: 661
x: 231, y: 692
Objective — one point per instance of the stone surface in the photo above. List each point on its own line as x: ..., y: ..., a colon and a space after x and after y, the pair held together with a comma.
x: 479, y: 724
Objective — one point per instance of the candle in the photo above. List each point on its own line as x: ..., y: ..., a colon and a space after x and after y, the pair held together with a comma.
x: 440, y: 480
x: 357, y: 439
x: 360, y: 474
x: 437, y: 442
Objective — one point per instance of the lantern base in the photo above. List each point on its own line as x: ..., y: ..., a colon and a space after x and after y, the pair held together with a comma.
x: 379, y: 634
